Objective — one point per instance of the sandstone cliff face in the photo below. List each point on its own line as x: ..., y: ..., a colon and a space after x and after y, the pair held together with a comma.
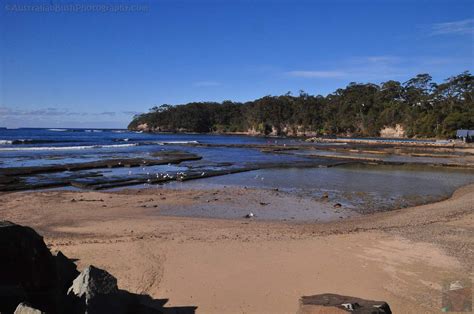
x: 393, y: 132
x: 297, y: 131
x: 253, y: 132
x: 142, y: 127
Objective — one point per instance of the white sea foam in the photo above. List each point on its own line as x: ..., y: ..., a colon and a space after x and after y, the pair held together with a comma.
x: 58, y: 130
x: 176, y: 142
x: 6, y: 142
x: 66, y: 147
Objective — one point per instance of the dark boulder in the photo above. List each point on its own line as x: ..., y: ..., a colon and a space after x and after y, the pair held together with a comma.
x: 30, y: 273
x: 27, y: 270
x: 66, y: 272
x: 334, y: 303
x: 33, y: 281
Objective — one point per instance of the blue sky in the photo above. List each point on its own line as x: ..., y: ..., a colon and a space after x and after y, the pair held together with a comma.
x: 96, y: 69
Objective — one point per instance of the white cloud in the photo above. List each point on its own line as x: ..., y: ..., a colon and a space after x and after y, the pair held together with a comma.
x: 59, y: 117
x: 49, y: 112
x: 456, y: 27
x: 355, y: 68
x: 131, y: 113
x: 317, y: 74
x: 383, y: 59
x: 380, y: 68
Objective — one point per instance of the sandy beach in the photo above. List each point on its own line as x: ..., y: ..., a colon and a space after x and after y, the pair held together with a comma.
x: 250, y: 266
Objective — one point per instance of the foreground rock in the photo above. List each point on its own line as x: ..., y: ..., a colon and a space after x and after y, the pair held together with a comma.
x: 96, y: 291
x: 29, y: 272
x: 339, y: 304
x: 33, y: 281
x: 93, y: 282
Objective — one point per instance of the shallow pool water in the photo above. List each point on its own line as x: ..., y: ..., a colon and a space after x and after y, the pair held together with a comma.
x: 364, y: 188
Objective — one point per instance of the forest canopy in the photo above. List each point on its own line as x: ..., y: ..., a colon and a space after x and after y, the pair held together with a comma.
x: 422, y: 107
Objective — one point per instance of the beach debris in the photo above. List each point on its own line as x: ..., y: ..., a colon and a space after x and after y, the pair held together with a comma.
x: 334, y: 303
x: 250, y: 215
x: 350, y: 306
x: 264, y: 204
x: 325, y: 196
x: 337, y: 205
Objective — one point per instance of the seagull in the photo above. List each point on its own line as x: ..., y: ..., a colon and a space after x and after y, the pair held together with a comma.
x: 249, y: 215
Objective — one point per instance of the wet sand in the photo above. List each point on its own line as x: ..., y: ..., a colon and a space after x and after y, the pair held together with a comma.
x: 253, y: 266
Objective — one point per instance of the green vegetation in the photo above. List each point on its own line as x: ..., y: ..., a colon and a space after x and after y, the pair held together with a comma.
x: 423, y: 108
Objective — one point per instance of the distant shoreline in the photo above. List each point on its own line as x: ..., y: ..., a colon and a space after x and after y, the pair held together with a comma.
x: 329, y: 139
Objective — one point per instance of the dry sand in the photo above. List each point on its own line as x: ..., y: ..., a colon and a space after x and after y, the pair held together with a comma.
x: 250, y: 266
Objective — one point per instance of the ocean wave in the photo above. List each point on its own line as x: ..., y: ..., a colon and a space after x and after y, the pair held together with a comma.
x: 121, y: 140
x: 93, y: 131
x: 58, y: 130
x: 176, y: 142
x: 66, y: 147
x: 29, y: 141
